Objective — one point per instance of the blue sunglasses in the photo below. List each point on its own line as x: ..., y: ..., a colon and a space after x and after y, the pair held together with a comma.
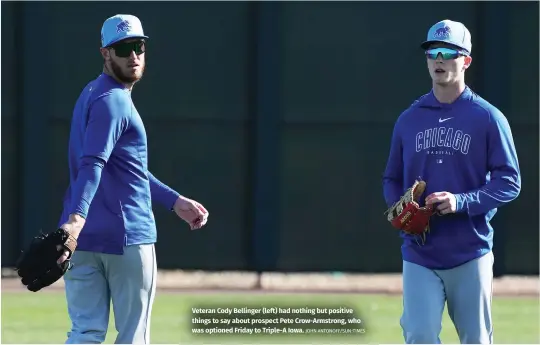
x: 446, y: 53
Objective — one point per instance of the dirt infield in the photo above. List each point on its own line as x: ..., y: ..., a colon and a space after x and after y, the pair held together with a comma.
x: 199, y: 281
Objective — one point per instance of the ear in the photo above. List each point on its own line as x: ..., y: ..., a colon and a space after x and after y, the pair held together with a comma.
x: 468, y: 61
x: 106, y: 53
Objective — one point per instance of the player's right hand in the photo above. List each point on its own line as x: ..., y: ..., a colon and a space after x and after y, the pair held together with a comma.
x: 64, y: 256
x: 74, y: 226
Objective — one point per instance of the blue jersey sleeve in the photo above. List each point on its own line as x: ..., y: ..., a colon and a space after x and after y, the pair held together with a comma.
x: 161, y: 192
x: 108, y: 118
x: 393, y: 174
x: 505, y: 179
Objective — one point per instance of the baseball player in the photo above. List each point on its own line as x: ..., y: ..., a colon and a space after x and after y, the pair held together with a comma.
x: 108, y: 205
x: 461, y: 147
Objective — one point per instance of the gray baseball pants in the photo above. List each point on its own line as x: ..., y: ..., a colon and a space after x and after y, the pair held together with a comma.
x: 96, y: 279
x: 467, y: 290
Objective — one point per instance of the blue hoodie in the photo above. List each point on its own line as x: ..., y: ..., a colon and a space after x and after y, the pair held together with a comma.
x: 110, y: 185
x: 465, y: 148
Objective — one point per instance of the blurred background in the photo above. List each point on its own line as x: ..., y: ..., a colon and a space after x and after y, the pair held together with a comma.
x: 277, y: 116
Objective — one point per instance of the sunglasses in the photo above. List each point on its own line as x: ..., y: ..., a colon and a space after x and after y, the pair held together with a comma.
x: 446, y: 53
x: 124, y: 49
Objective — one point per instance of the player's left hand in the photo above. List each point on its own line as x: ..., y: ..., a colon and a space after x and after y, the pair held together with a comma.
x: 191, y: 212
x: 445, y: 201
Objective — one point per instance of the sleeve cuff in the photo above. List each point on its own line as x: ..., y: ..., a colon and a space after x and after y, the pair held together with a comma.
x: 172, y: 196
x: 460, y: 203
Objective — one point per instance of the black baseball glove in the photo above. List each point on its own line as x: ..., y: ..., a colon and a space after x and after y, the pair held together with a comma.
x: 38, y: 267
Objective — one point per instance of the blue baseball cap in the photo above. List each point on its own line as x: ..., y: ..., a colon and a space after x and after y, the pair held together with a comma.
x: 120, y: 27
x: 448, y: 31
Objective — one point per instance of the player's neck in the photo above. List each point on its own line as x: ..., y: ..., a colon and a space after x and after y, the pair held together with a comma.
x: 448, y: 93
x: 128, y: 86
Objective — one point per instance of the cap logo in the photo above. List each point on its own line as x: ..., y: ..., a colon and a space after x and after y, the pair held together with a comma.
x: 442, y: 33
x: 123, y: 26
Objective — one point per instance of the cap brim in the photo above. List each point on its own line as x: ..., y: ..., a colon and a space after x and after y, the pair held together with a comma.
x: 124, y: 38
x: 425, y: 45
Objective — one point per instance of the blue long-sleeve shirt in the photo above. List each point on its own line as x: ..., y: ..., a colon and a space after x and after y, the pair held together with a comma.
x: 465, y: 148
x: 110, y: 184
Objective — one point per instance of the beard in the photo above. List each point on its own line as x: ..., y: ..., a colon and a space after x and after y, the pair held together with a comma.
x: 123, y: 77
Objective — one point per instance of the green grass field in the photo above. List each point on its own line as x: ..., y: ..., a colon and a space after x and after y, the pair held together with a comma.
x: 41, y: 318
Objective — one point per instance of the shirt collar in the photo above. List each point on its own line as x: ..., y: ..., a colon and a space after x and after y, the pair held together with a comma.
x: 432, y: 101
